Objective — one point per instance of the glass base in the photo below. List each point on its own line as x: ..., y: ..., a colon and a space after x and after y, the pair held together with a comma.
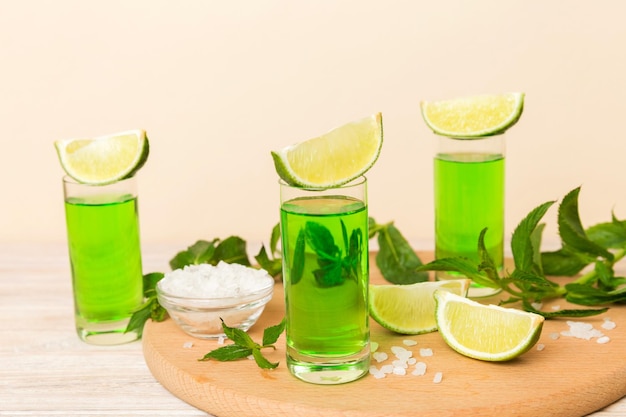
x: 475, y: 290
x: 105, y: 333
x: 327, y: 371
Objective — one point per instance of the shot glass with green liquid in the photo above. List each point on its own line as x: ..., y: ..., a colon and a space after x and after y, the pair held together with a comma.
x: 469, y: 196
x: 105, y: 258
x: 326, y: 277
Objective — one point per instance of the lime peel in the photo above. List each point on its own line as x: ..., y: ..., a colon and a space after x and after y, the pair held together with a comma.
x: 410, y: 309
x: 485, y: 332
x: 334, y: 158
x: 473, y: 117
x: 104, y: 159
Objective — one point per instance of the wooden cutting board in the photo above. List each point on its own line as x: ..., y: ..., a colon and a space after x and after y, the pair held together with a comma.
x: 568, y: 377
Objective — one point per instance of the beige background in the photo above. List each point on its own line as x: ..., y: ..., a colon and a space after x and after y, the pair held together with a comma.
x: 218, y: 84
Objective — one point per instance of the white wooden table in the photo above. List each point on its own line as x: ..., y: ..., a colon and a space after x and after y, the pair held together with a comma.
x: 45, y: 370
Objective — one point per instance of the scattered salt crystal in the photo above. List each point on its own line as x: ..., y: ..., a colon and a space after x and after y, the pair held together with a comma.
x: 221, y: 280
x: 438, y: 377
x: 376, y: 373
x: 581, y: 330
x: 420, y: 369
x: 187, y: 345
x: 400, y: 364
x: 554, y: 335
x: 387, y: 369
x: 537, y: 306
x: 398, y: 370
x: 603, y: 339
x: 556, y: 308
x: 540, y: 346
x: 608, y: 324
x: 408, y: 342
x: 380, y: 356
x: 220, y: 340
x: 397, y: 350
x: 373, y: 346
x: 426, y: 352
x: 411, y: 361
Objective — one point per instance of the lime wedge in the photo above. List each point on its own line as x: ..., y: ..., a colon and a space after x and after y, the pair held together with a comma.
x: 410, y: 309
x: 334, y: 158
x: 473, y: 117
x: 104, y: 159
x: 485, y: 332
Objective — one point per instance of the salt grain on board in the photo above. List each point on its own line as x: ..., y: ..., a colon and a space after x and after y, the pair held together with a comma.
x: 581, y: 330
x: 438, y: 377
x: 540, y: 346
x: 420, y: 369
x: 604, y: 339
x: 380, y: 356
x: 424, y: 352
x: 408, y: 342
x: 608, y: 324
x: 187, y: 345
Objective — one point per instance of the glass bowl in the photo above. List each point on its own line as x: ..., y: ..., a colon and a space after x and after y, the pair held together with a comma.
x: 202, y: 317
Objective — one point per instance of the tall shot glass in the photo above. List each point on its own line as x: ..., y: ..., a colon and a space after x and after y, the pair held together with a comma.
x: 469, y: 196
x: 326, y: 277
x: 105, y: 257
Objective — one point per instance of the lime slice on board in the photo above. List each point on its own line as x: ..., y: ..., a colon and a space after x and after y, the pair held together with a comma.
x: 485, y: 332
x: 104, y: 159
x: 473, y: 117
x: 334, y: 158
x: 410, y: 309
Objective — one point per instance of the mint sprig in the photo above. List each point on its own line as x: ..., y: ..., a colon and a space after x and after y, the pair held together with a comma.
x: 243, y: 346
x: 601, y: 246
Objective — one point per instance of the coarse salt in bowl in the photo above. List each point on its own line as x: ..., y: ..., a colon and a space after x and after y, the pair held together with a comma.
x: 199, y: 297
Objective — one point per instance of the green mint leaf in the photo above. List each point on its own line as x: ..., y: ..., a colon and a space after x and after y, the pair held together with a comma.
x: 198, y: 253
x: 584, y: 294
x: 487, y: 264
x: 262, y: 361
x: 396, y: 260
x: 524, y: 254
x: 608, y: 235
x: 321, y: 241
x: 328, y: 254
x: 464, y: 266
x: 231, y: 250
x: 353, y: 259
x: 571, y: 230
x: 238, y: 336
x: 272, y: 333
x: 272, y: 266
x: 228, y: 353
x: 150, y: 282
x: 274, y: 239
x: 297, y: 266
x: 344, y: 234
x: 563, y: 262
x: 139, y: 318
x: 565, y: 313
x: 330, y: 274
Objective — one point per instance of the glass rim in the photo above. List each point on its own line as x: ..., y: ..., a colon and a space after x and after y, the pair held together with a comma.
x: 358, y: 181
x: 70, y: 180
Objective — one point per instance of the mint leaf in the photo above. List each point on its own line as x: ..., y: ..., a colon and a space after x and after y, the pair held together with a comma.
x: 228, y: 353
x: 272, y: 266
x: 524, y: 254
x: 200, y: 252
x: 396, y: 260
x: 272, y: 333
x: 238, y: 336
x: 571, y: 230
x: 261, y: 361
x: 243, y: 346
x: 297, y: 265
x: 231, y: 250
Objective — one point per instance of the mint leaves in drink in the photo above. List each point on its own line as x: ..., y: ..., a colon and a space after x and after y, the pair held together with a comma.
x: 243, y: 346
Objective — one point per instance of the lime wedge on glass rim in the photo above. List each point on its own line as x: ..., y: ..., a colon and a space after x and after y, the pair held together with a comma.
x: 475, y: 116
x: 410, y: 309
x: 105, y: 159
x: 334, y: 158
x: 485, y: 332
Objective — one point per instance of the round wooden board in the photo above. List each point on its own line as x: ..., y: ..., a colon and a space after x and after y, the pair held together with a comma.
x: 569, y: 377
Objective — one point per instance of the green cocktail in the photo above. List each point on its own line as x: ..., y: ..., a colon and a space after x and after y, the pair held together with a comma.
x: 326, y: 277
x: 469, y: 196
x: 105, y: 256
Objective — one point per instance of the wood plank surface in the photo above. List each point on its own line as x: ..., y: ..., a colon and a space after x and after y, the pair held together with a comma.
x: 568, y: 377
